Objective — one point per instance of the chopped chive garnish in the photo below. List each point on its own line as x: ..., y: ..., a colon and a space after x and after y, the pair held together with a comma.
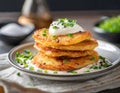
x: 45, y: 71
x: 72, y: 71
x: 18, y: 74
x: 71, y: 25
x: 54, y: 37
x: 21, y: 58
x: 70, y: 35
x: 17, y: 54
x: 54, y: 27
x: 31, y: 68
x: 92, y: 58
x: 25, y: 65
x: 40, y: 71
x: 99, y: 67
x: 44, y: 32
x: 86, y: 71
x: 27, y: 51
x: 94, y: 67
x: 30, y: 84
x: 104, y: 62
x: 102, y: 58
x: 106, y: 65
x: 65, y: 61
x: 67, y: 22
x: 61, y: 20
x: 55, y: 72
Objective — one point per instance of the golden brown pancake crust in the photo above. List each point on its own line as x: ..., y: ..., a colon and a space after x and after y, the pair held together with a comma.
x: 60, y: 40
x: 84, y: 45
x: 63, y: 64
x: 51, y: 52
x: 64, y: 52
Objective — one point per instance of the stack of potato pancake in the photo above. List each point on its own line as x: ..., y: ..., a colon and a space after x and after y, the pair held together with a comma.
x: 64, y: 52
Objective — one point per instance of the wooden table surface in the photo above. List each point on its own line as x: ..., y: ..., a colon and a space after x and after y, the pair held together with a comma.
x: 85, y: 18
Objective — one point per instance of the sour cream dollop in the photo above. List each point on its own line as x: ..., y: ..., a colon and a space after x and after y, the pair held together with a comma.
x: 64, y: 27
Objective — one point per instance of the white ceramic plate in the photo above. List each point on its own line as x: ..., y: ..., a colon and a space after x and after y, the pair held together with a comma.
x: 111, y: 52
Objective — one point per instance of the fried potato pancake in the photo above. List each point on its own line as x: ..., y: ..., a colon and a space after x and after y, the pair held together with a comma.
x: 42, y: 36
x: 58, y: 53
x: 84, y: 45
x: 62, y: 63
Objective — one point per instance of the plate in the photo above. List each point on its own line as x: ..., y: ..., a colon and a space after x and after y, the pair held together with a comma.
x: 111, y: 52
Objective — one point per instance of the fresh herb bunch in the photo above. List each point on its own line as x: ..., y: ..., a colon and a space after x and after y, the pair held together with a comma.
x: 23, y: 57
x: 111, y: 25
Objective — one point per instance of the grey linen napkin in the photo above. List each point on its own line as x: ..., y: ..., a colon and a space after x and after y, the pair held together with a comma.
x: 25, y: 83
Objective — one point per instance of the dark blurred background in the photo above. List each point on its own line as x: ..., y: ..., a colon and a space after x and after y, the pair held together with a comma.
x: 64, y: 5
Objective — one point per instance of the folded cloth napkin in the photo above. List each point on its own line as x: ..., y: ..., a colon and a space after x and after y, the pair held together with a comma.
x: 22, y: 83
